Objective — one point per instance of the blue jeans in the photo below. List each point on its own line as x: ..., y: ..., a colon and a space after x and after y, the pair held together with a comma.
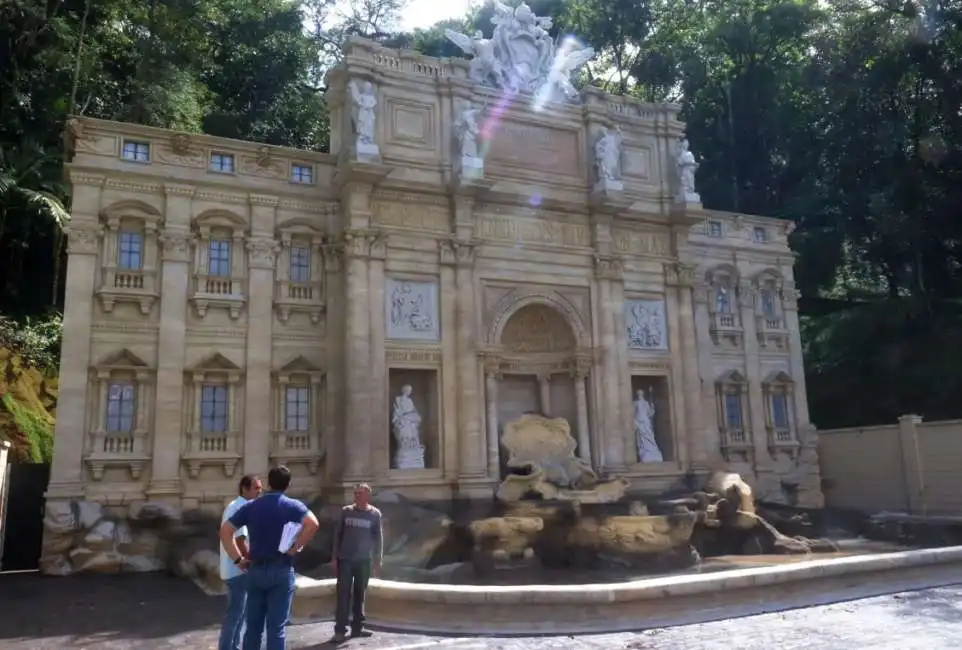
x: 230, y: 631
x: 270, y: 590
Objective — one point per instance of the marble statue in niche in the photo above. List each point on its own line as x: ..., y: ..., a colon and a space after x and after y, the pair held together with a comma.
x: 646, y: 325
x: 467, y: 129
x: 364, y: 98
x: 648, y: 450
x: 723, y: 300
x: 686, y: 164
x: 406, y: 425
x: 608, y: 159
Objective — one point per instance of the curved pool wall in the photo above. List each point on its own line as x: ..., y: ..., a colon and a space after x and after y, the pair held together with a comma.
x: 635, y: 605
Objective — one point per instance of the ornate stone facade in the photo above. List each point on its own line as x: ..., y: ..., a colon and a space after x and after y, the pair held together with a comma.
x: 230, y: 305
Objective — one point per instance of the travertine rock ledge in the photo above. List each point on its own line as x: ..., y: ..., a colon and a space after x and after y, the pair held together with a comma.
x: 575, y: 609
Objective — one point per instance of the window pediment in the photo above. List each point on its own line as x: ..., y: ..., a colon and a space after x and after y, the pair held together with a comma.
x: 216, y: 363
x: 732, y: 377
x: 121, y: 360
x: 131, y: 209
x: 220, y: 219
x: 299, y: 366
x: 298, y: 227
x: 778, y: 378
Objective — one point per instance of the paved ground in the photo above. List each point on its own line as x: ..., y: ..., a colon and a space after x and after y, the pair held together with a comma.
x: 159, y: 613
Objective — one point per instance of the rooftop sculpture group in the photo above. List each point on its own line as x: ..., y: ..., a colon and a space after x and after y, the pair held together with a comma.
x: 521, y: 56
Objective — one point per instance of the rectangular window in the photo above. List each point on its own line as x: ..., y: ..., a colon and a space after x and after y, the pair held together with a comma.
x: 222, y: 163
x: 136, y: 151
x: 780, y: 411
x: 760, y: 235
x: 733, y: 411
x: 297, y: 408
x: 300, y: 264
x: 303, y: 174
x: 131, y: 246
x: 714, y: 228
x: 218, y: 258
x: 121, y: 406
x: 213, y: 408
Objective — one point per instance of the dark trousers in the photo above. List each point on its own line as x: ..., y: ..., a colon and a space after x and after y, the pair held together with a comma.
x: 270, y: 590
x: 352, y: 577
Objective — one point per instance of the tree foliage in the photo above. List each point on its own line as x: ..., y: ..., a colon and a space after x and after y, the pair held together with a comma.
x: 841, y: 116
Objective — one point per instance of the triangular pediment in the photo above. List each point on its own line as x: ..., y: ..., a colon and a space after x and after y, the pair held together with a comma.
x: 122, y: 359
x: 299, y: 364
x: 216, y: 361
x: 778, y: 377
x: 731, y: 377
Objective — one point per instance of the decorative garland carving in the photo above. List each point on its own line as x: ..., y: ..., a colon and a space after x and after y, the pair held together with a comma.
x: 83, y: 240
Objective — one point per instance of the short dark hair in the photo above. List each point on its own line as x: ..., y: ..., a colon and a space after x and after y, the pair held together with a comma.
x: 246, y: 483
x: 279, y: 478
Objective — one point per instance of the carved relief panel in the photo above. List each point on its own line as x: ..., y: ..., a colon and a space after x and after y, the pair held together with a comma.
x: 411, y: 310
x: 645, y: 322
x: 537, y: 328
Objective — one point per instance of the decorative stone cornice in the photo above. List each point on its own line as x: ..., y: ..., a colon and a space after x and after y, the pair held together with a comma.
x: 261, y: 252
x: 790, y: 296
x: 83, y: 178
x: 83, y: 240
x: 171, y: 189
x: 609, y: 267
x: 264, y: 200
x: 175, y: 245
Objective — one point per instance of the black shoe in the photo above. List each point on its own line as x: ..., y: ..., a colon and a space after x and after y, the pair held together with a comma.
x: 339, y: 637
x: 360, y: 633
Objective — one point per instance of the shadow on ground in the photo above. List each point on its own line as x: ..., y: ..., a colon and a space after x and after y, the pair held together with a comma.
x: 109, y: 607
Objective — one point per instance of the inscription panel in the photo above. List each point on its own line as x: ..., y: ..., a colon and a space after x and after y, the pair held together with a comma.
x: 636, y: 163
x: 632, y: 242
x: 410, y: 123
x: 416, y: 216
x: 536, y: 149
x: 533, y: 231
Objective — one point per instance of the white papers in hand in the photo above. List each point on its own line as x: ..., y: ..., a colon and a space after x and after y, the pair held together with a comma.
x: 288, y: 535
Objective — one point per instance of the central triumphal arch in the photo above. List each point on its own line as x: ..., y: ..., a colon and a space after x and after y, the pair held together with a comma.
x: 481, y: 242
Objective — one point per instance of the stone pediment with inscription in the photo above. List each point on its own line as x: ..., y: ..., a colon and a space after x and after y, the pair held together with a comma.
x: 537, y: 328
x: 530, y: 226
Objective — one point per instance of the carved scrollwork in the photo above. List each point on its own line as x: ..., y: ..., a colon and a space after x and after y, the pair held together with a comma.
x: 83, y: 240
x: 790, y: 296
x: 176, y: 246
x: 747, y: 292
x: 365, y: 243
x: 492, y: 364
x: 609, y: 267
x: 580, y: 366
x: 261, y: 253
x: 456, y: 253
x: 678, y: 274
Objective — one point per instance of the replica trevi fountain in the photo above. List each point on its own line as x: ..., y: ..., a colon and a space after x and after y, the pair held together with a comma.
x: 498, y: 299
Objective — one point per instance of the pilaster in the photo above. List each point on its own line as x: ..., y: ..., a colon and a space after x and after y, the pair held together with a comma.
x: 701, y: 294
x: 83, y: 246
x: 790, y: 296
x: 262, y: 252
x: 608, y: 270
x: 756, y: 400
x: 681, y: 277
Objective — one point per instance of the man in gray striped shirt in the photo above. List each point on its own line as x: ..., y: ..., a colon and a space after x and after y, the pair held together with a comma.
x: 357, y: 553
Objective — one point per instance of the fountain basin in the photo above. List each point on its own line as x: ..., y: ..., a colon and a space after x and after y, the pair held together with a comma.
x: 639, y: 604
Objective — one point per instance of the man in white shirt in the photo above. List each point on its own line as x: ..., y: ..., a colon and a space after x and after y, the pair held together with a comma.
x: 233, y: 573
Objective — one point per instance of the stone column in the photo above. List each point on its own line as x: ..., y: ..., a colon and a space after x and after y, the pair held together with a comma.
x: 66, y: 472
x: 471, y: 443
x: 332, y: 442
x: 612, y: 442
x: 261, y: 250
x: 358, y: 399
x: 492, y: 370
x: 380, y: 458
x: 544, y: 393
x: 790, y: 297
x: 449, y: 381
x: 712, y: 444
x: 169, y: 417
x: 755, y: 418
x: 579, y: 374
x: 681, y: 276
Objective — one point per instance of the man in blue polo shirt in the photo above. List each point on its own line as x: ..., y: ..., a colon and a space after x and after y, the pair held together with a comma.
x: 270, y: 573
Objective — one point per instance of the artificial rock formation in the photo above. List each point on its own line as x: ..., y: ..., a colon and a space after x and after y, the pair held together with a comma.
x: 28, y: 403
